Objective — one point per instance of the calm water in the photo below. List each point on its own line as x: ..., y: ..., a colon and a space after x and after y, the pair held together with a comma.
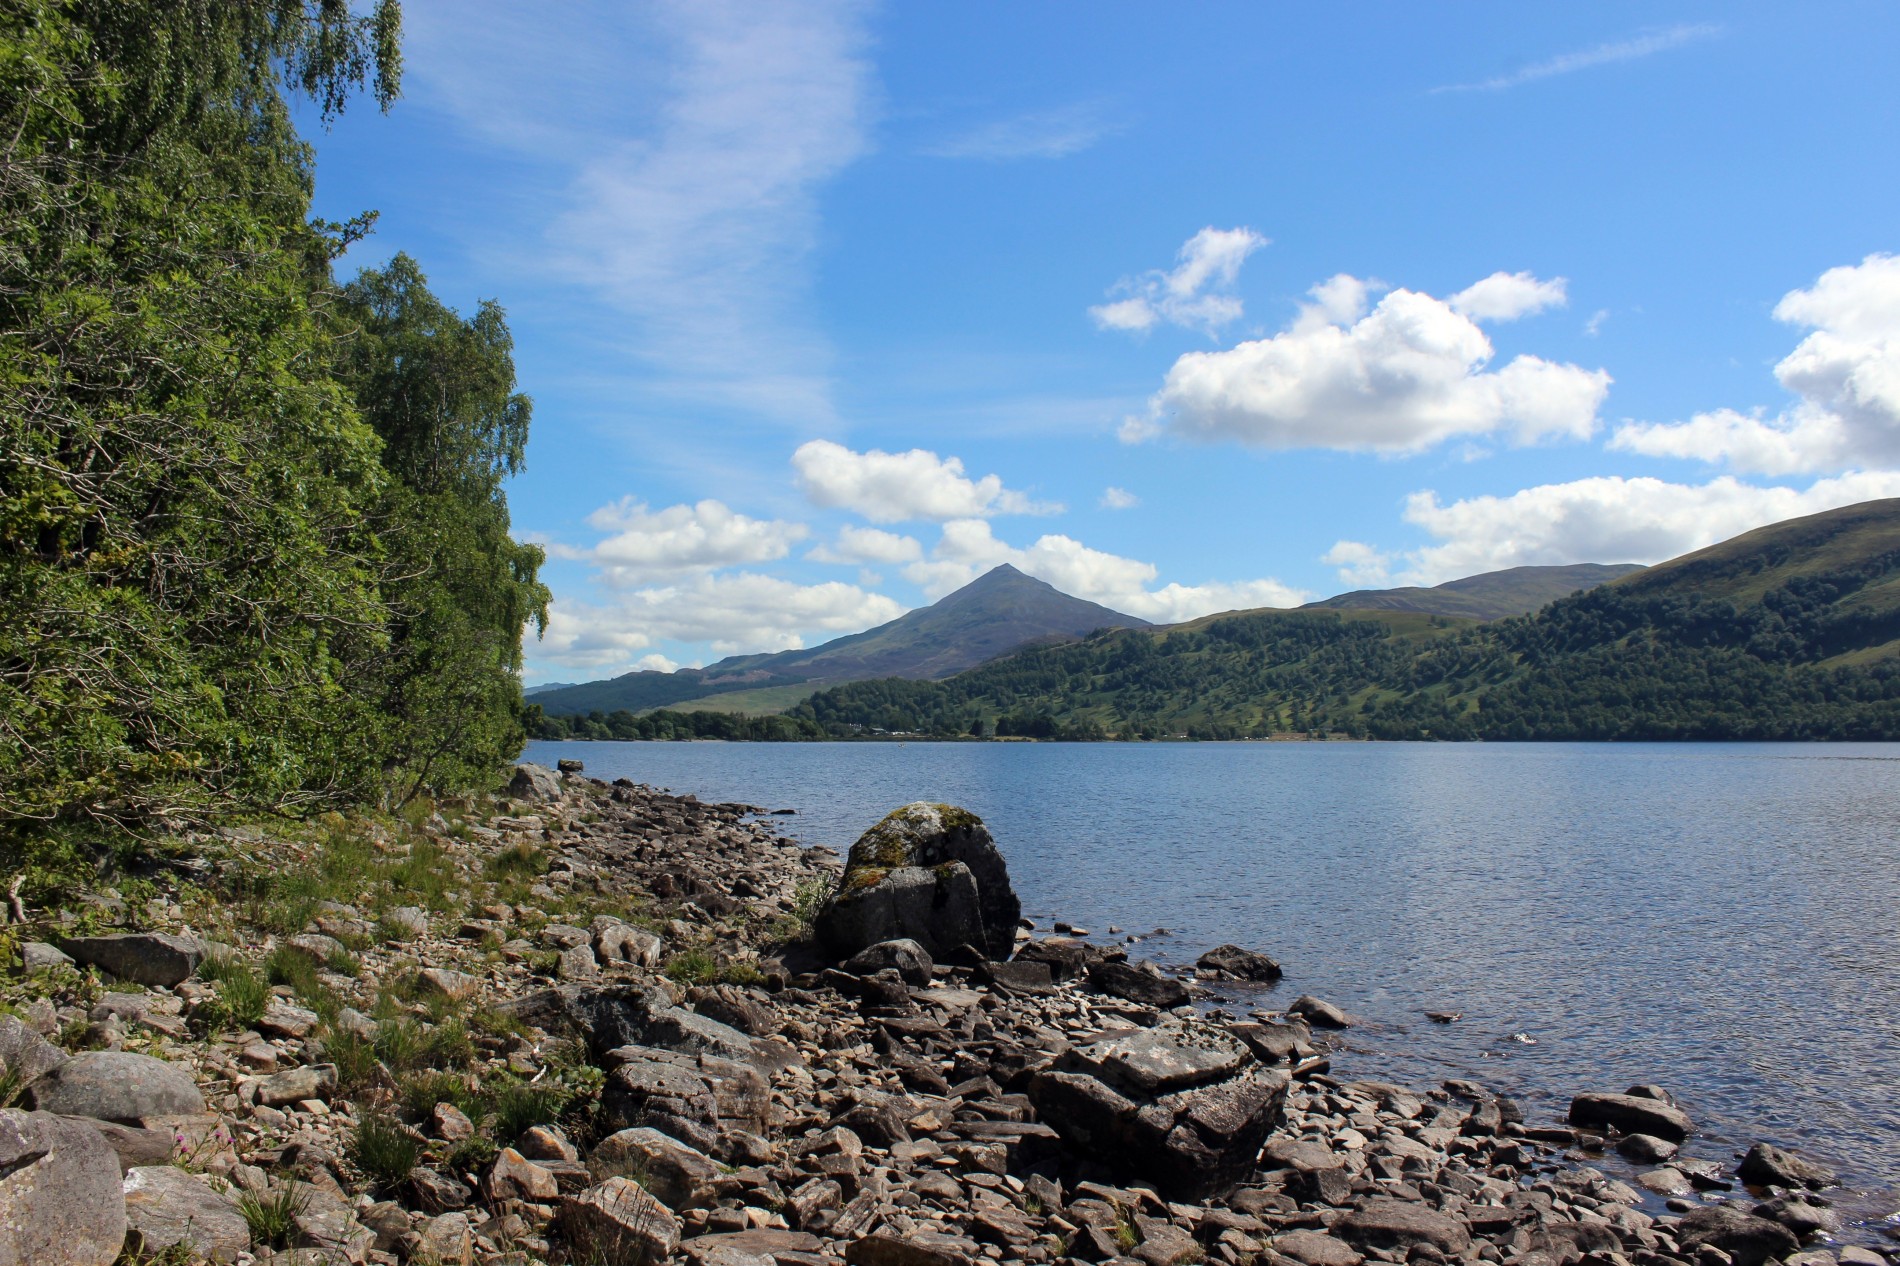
x: 1721, y: 919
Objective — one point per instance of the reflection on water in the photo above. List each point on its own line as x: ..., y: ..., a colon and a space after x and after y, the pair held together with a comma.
x: 1720, y: 919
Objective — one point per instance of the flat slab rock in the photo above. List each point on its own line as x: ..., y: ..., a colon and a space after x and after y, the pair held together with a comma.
x: 59, y: 1192
x: 146, y: 958
x: 165, y: 1206
x: 116, y: 1086
x: 1631, y: 1114
x: 1166, y: 1058
x: 1384, y: 1223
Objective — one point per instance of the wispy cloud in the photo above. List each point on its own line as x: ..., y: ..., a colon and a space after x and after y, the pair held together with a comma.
x: 1647, y: 44
x: 689, y: 143
x: 1041, y: 134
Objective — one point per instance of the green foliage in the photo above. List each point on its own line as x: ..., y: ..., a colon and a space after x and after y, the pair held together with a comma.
x: 243, y: 995
x: 272, y: 1216
x: 383, y: 1150
x: 693, y: 967
x: 732, y: 727
x: 253, y: 550
x: 1625, y: 661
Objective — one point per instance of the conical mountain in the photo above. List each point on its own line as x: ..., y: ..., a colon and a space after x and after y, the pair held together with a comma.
x: 1001, y: 611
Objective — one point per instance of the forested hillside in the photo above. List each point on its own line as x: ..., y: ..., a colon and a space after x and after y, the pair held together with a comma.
x: 1787, y: 633
x: 254, y: 552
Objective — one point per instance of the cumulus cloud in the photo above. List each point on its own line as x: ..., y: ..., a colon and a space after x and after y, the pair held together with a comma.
x: 968, y: 548
x: 1611, y: 519
x: 643, y: 545
x: 1360, y: 565
x: 1400, y: 378
x: 1119, y: 499
x: 1845, y: 375
x: 1054, y: 133
x: 1507, y: 296
x: 734, y: 614
x: 1197, y: 292
x: 895, y: 487
x: 868, y: 545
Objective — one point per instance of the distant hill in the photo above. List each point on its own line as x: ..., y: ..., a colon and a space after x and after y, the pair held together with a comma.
x: 999, y: 612
x: 1491, y: 595
x: 1788, y: 632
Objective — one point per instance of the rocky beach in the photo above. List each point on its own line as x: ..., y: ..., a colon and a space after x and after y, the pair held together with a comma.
x: 586, y: 1022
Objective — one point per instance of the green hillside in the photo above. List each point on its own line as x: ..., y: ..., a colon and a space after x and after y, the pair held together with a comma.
x: 1789, y: 632
x: 1490, y: 596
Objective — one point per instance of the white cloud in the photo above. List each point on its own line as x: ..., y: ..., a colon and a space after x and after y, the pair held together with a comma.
x: 1360, y: 565
x: 968, y: 548
x: 692, y: 141
x: 1119, y: 499
x: 868, y: 545
x: 1594, y: 326
x: 1646, y: 45
x: 735, y: 614
x: 1610, y: 519
x: 1507, y: 296
x: 1401, y: 378
x: 1196, y: 293
x: 895, y: 487
x: 1845, y: 375
x: 655, y: 663
x: 1054, y: 133
x: 644, y: 545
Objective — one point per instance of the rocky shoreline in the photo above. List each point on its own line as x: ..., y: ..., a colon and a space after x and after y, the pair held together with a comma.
x: 592, y: 1023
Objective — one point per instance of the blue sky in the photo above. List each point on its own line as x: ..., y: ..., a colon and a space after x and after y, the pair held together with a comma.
x: 827, y: 308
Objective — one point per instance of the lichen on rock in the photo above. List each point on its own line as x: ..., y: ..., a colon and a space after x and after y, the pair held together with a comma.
x: 928, y: 872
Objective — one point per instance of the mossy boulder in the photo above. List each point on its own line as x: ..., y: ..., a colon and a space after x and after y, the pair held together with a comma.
x: 927, y: 872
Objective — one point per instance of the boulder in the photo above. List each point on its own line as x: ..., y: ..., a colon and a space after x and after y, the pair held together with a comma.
x: 885, y: 1249
x: 617, y: 942
x: 165, y: 1206
x: 1747, y: 1239
x: 1798, y: 1215
x: 534, y: 782
x: 1275, y: 1043
x: 60, y: 1199
x: 406, y: 923
x: 928, y: 873
x: 1630, y: 1114
x: 569, y: 765
x: 1769, y: 1166
x: 1142, y: 984
x: 1231, y: 962
x: 39, y: 956
x: 1646, y: 1149
x: 1186, y: 1105
x: 1019, y: 976
x: 681, y: 1177
x: 1316, y: 1248
x: 456, y: 986
x: 737, y: 1008
x: 909, y: 959
x: 294, y: 1085
x: 134, y: 1145
x: 1384, y: 1223
x: 618, y: 1221
x: 515, y: 1177
x: 447, y: 1239
x: 146, y: 958
x: 24, y: 1053
x: 1067, y: 958
x: 116, y: 1086
x: 1319, y: 1013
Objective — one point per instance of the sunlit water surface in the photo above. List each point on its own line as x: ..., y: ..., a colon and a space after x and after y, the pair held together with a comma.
x: 1721, y: 919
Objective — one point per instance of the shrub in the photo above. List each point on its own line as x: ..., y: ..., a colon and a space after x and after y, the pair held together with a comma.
x: 243, y: 995
x: 272, y: 1217
x: 383, y: 1150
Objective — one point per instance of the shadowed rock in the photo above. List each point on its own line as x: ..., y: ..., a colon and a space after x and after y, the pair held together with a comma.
x: 928, y: 873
